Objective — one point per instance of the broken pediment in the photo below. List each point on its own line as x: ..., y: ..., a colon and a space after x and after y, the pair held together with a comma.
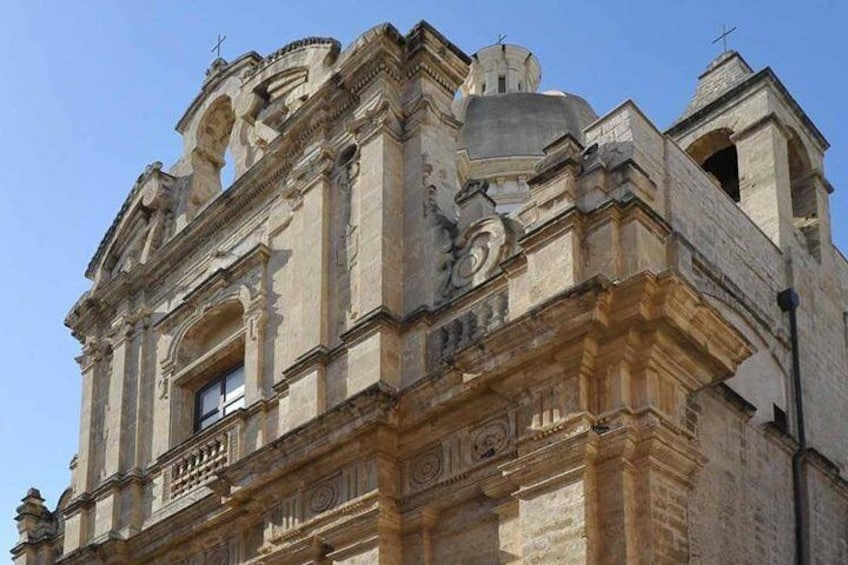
x: 140, y: 227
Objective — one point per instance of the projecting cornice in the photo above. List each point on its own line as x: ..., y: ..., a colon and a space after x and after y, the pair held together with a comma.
x: 765, y: 77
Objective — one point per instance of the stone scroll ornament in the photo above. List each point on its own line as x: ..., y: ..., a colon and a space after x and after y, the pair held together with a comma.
x: 477, y: 254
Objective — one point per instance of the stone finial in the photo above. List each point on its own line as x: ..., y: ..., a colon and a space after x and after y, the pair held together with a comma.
x: 31, y: 514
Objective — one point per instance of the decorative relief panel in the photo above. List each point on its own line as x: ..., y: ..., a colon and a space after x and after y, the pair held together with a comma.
x: 346, y: 220
x: 468, y: 328
x: 320, y: 497
x: 460, y: 453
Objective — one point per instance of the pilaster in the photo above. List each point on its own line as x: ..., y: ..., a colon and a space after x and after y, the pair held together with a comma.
x: 115, y: 426
x: 145, y: 391
x: 90, y: 365
x: 379, y: 268
x: 764, y: 183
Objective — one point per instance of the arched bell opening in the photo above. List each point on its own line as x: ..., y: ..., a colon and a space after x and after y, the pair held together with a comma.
x: 804, y: 197
x: 717, y: 155
x: 211, y: 154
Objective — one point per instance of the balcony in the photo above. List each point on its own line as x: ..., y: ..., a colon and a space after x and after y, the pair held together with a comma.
x: 194, y: 462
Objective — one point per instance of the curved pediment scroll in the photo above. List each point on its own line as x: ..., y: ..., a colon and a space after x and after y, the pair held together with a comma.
x: 477, y: 253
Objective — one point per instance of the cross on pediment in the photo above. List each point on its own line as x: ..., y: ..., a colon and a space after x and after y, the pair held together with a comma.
x: 217, y: 48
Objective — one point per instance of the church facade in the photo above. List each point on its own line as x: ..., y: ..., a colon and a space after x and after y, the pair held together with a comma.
x: 441, y: 317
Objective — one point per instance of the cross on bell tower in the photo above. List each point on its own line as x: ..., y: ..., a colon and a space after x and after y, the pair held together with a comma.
x: 723, y: 37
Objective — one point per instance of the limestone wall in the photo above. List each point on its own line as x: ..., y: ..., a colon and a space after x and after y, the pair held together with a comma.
x: 741, y: 509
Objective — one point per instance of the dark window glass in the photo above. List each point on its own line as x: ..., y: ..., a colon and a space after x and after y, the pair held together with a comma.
x: 501, y: 84
x: 219, y: 398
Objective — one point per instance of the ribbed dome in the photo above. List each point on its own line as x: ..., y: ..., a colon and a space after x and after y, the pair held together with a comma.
x: 520, y: 124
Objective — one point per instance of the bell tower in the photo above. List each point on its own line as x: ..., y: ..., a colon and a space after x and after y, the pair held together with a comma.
x: 746, y: 130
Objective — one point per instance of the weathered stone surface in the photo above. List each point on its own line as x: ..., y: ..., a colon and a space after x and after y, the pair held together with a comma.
x: 579, y: 358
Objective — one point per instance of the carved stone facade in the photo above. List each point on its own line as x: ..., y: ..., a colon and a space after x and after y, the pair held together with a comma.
x: 487, y: 328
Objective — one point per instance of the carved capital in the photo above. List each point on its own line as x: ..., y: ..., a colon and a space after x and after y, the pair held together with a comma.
x: 380, y: 118
x: 93, y: 351
x: 320, y: 163
x: 163, y: 384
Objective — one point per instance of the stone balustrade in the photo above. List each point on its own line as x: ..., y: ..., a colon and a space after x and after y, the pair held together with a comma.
x: 194, y: 465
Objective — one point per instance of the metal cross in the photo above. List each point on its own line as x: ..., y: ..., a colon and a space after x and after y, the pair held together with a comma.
x: 723, y: 37
x: 501, y: 37
x: 218, y: 45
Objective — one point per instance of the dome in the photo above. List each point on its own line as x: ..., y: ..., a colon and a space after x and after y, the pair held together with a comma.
x: 520, y: 124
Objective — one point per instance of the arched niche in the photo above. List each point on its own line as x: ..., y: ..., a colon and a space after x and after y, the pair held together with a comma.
x: 210, y: 153
x: 209, y: 347
x: 717, y: 155
x: 803, y: 191
x: 210, y: 332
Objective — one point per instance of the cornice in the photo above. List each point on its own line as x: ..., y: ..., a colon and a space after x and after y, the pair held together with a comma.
x: 257, y: 255
x: 764, y: 77
x: 334, y: 98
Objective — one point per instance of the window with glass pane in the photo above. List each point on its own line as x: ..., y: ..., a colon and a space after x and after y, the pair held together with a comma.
x: 219, y: 398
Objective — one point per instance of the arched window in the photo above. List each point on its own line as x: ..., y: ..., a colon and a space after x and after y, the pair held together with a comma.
x: 804, y: 197
x: 210, y: 153
x: 210, y: 369
x: 716, y: 154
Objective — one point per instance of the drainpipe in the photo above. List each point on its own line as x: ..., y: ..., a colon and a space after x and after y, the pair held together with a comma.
x: 788, y: 301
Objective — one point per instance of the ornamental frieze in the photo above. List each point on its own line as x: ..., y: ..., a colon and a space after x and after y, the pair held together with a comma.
x: 455, y: 456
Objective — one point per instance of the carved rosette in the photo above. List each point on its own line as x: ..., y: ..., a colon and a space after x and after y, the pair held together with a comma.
x: 323, y: 498
x: 490, y: 440
x: 427, y: 468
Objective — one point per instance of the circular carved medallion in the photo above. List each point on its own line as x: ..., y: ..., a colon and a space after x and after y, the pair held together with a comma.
x: 427, y: 468
x: 322, y: 498
x: 491, y: 439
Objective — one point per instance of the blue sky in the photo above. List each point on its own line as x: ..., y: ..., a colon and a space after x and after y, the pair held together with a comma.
x: 90, y: 93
